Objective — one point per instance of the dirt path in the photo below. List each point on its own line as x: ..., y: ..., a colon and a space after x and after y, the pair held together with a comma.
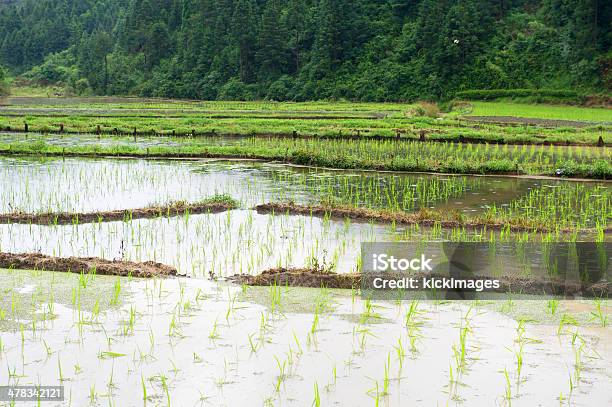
x: 37, y: 261
x: 63, y: 218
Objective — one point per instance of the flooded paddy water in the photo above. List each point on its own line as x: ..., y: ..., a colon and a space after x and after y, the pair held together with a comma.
x: 194, y: 340
x: 35, y: 184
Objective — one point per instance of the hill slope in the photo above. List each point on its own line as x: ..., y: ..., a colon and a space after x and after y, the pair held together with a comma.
x: 308, y: 49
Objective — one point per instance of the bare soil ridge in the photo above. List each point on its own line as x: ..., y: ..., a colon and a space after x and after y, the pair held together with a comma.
x: 65, y: 218
x: 314, y: 278
x: 37, y: 261
x: 424, y: 217
x: 528, y: 121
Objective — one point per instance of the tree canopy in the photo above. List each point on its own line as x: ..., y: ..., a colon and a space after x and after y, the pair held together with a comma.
x: 373, y: 50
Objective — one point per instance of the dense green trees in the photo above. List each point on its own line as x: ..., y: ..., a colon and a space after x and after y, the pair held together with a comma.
x: 3, y: 85
x: 308, y: 49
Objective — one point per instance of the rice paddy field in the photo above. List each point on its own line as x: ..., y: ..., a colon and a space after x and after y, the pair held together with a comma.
x: 593, y: 114
x: 199, y: 338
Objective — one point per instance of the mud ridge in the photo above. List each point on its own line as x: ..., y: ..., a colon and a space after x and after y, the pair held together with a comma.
x: 423, y: 217
x: 304, y: 277
x: 528, y: 121
x: 37, y: 261
x: 407, y: 136
x: 64, y: 218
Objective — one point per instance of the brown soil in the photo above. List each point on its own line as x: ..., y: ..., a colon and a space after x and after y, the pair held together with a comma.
x: 508, y: 284
x: 62, y: 218
x: 299, y: 278
x: 423, y: 217
x: 520, y: 121
x: 37, y: 261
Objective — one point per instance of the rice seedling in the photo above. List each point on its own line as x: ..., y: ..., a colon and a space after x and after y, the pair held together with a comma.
x: 247, y: 242
x: 316, y: 402
x: 508, y: 390
x: 552, y: 306
x: 599, y: 315
x: 386, y: 377
x: 214, y: 333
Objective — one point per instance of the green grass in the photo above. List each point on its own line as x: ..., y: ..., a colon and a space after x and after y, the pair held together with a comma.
x: 27, y: 90
x: 222, y: 199
x: 541, y: 111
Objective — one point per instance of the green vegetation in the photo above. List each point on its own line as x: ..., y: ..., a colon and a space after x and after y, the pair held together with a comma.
x: 564, y: 205
x: 541, y: 111
x: 223, y: 199
x: 21, y: 88
x: 299, y: 91
x: 308, y: 49
x: 491, y: 94
x: 370, y: 154
x: 374, y: 120
x: 4, y: 87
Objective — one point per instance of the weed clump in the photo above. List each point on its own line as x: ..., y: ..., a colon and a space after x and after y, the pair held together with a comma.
x: 425, y: 109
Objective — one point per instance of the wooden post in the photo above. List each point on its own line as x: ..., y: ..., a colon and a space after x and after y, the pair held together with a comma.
x: 173, y: 133
x: 61, y: 128
x: 25, y: 127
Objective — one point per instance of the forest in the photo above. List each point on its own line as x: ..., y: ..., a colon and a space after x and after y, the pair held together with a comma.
x: 361, y: 50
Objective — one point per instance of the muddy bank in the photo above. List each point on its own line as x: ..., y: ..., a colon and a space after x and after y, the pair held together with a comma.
x: 429, y: 135
x: 37, y: 261
x: 63, y: 218
x: 303, y: 277
x: 526, y: 121
x: 424, y: 217
x: 299, y: 277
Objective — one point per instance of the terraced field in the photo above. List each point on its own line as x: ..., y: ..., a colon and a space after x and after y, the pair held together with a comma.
x: 192, y: 230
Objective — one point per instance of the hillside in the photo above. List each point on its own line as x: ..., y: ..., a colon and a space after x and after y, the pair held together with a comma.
x: 370, y: 50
